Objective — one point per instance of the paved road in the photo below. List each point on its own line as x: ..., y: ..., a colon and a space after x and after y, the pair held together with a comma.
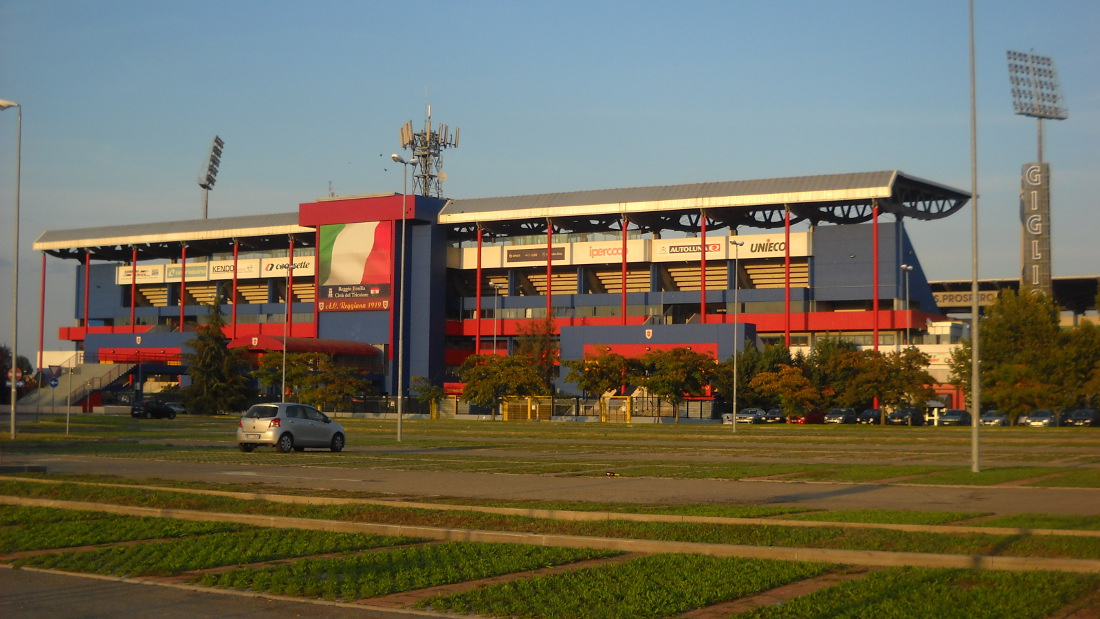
x: 413, y: 484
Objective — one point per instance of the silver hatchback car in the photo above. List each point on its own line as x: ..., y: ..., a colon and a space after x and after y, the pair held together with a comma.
x: 288, y: 426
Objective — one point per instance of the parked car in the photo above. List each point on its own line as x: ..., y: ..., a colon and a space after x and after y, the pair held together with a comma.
x: 870, y: 416
x: 152, y: 409
x: 809, y: 417
x: 1040, y: 418
x: 1084, y: 417
x: 955, y: 417
x: 287, y: 426
x: 177, y: 406
x: 841, y: 415
x: 905, y: 417
x: 750, y: 415
x: 773, y: 415
x: 993, y: 418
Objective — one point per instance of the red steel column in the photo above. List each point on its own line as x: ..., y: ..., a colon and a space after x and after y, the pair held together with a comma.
x: 87, y: 285
x: 787, y: 275
x: 183, y: 282
x: 289, y: 291
x: 133, y: 288
x: 703, y: 266
x: 623, y: 310
x: 316, y: 281
x: 477, y: 300
x: 233, y: 318
x: 874, y: 271
x: 42, y: 313
x: 549, y: 270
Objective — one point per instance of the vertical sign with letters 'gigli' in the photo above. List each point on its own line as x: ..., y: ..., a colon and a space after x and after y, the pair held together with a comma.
x: 1035, y: 219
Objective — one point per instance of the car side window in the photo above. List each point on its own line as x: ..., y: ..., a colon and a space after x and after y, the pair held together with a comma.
x: 293, y: 412
x: 314, y: 414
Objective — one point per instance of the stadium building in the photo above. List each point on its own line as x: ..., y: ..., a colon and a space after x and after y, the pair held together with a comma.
x: 704, y: 266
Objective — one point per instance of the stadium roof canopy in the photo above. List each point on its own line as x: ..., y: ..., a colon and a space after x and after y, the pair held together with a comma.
x: 163, y: 239
x: 833, y: 198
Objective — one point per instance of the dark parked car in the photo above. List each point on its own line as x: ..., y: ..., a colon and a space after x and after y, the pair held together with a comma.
x: 750, y: 415
x: 870, y: 416
x: 1084, y: 417
x: 152, y: 409
x: 1040, y: 418
x: 905, y: 417
x: 954, y: 417
x: 774, y: 415
x: 841, y: 415
x: 993, y: 418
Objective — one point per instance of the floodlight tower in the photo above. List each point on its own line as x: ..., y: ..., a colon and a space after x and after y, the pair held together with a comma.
x: 427, y: 147
x: 1035, y: 93
x: 209, y: 172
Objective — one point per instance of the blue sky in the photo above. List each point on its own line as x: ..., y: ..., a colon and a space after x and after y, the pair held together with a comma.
x: 122, y: 98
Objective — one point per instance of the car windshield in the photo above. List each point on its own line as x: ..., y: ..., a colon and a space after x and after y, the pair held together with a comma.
x: 262, y: 412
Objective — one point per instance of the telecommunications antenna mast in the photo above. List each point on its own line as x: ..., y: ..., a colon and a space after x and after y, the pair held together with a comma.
x: 427, y: 147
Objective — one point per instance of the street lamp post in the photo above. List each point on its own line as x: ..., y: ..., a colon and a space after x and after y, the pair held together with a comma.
x: 908, y: 315
x: 15, y: 257
x: 736, y: 309
x: 400, y: 390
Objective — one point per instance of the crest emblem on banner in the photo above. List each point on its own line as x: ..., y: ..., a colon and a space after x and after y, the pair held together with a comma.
x: 648, y: 333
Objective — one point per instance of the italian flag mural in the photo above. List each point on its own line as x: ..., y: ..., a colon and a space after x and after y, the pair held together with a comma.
x: 356, y: 267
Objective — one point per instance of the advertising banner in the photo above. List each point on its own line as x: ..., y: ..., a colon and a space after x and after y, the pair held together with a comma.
x: 276, y: 267
x: 675, y: 250
x: 146, y: 274
x: 247, y: 268
x: 1035, y: 219
x: 195, y: 272
x: 533, y: 254
x: 356, y: 267
x: 605, y: 252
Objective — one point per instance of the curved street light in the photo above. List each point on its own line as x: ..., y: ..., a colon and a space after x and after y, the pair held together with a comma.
x: 401, y: 291
x: 4, y: 104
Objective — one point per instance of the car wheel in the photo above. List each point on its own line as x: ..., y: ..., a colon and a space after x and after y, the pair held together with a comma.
x: 337, y: 442
x: 286, y: 443
x: 172, y: 415
x: 247, y: 447
x: 147, y: 415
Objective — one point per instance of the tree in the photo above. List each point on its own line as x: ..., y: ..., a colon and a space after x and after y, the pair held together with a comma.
x: 312, y: 377
x: 600, y: 374
x: 788, y: 385
x: 427, y: 392
x: 219, y: 376
x: 538, y: 343
x: 488, y: 378
x: 834, y: 364
x: 675, y: 374
x: 1023, y: 360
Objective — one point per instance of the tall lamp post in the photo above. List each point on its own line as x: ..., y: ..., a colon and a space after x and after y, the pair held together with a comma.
x: 736, y: 309
x: 908, y: 315
x: 401, y: 292
x: 15, y: 257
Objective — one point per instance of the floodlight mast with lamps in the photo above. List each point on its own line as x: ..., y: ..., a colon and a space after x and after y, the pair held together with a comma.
x: 15, y: 258
x: 400, y: 387
x: 1035, y: 90
x: 737, y: 343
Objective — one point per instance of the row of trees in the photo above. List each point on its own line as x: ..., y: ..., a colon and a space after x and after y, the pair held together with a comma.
x: 222, y: 379
x: 836, y: 373
x: 1028, y: 360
